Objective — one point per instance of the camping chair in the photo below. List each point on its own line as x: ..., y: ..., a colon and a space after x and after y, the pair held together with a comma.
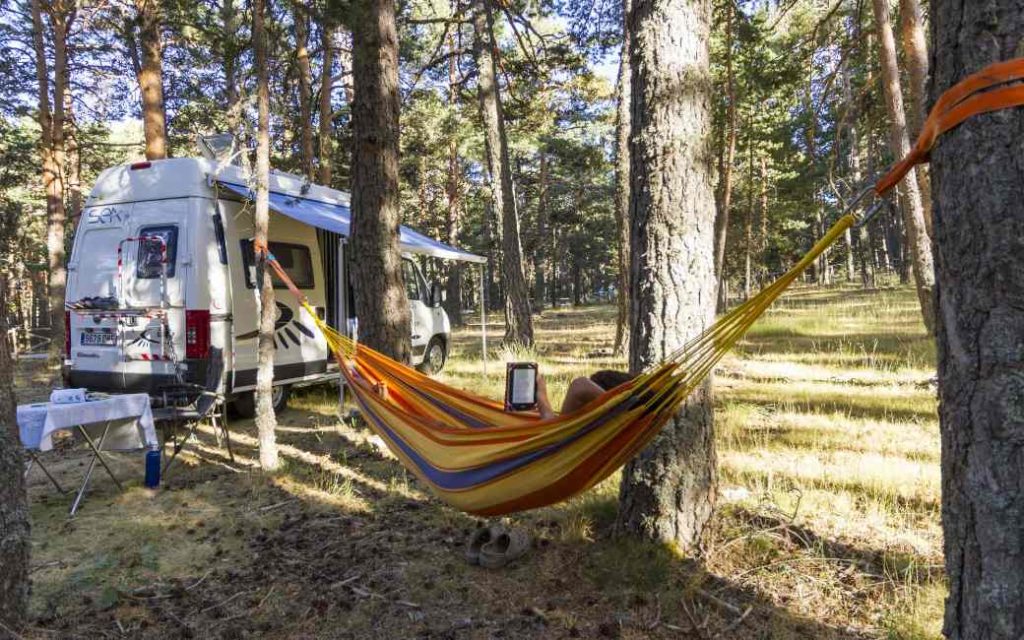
x: 189, y: 403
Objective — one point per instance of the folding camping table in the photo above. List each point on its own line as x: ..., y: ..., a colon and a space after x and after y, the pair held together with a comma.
x: 123, y: 422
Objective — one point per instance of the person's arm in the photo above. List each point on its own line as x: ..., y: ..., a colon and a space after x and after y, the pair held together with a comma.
x: 543, y: 403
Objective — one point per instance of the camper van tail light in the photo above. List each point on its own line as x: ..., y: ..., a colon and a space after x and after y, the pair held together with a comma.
x: 67, y: 334
x: 197, y: 333
x: 135, y: 166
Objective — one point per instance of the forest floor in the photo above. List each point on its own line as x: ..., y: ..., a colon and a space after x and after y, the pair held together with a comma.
x: 827, y: 523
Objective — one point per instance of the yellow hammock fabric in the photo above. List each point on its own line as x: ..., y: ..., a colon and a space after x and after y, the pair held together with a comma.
x: 482, y: 460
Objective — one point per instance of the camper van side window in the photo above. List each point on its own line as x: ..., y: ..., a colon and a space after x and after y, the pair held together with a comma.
x: 218, y: 232
x: 149, y: 262
x: 295, y: 259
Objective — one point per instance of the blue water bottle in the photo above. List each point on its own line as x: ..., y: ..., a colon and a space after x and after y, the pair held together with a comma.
x: 153, y: 468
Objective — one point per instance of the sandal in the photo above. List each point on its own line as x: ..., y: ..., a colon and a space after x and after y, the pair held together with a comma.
x: 477, y: 539
x: 505, y: 547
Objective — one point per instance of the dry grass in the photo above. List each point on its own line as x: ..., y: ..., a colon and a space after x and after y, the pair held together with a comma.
x: 827, y: 525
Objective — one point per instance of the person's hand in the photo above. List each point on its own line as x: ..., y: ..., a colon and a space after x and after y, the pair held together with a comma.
x: 543, y: 403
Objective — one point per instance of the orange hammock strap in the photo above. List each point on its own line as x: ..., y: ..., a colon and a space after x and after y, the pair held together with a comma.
x: 981, y: 92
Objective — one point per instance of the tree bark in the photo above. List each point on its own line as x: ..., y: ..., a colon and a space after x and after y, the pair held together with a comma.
x: 723, y: 196
x: 15, y: 538
x: 853, y: 163
x: 229, y: 23
x: 74, y: 161
x: 864, y: 249
x: 326, y: 109
x: 301, y: 16
x: 51, y: 125
x: 381, y: 303
x: 821, y: 265
x: 518, y: 322
x: 748, y: 222
x: 540, y: 253
x: 622, y: 132
x: 150, y: 78
x: 979, y: 259
x: 915, y: 49
x: 266, y: 421
x: 762, y: 237
x: 453, y: 191
x: 899, y: 143
x: 668, y: 491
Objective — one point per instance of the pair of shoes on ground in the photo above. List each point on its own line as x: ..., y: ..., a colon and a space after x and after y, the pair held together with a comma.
x: 495, y: 546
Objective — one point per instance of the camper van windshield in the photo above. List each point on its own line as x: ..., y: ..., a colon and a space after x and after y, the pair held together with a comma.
x: 295, y: 259
x: 150, y: 258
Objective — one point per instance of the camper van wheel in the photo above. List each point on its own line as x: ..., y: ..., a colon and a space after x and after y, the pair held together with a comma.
x: 245, y: 403
x: 435, y: 356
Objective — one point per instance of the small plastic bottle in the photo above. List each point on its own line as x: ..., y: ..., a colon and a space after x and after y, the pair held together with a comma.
x: 153, y: 468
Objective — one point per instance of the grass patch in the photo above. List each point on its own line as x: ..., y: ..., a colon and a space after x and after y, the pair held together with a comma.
x: 827, y: 524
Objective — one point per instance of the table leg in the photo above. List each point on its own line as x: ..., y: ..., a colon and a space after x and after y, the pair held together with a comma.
x: 33, y: 459
x: 98, y: 452
x: 97, y: 456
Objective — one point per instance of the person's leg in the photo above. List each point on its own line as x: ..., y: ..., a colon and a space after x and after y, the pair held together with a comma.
x: 581, y: 391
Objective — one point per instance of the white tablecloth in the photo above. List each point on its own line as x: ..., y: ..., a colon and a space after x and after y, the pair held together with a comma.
x: 131, y: 417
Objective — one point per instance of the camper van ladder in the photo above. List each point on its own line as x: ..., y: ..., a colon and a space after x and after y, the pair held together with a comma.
x: 122, y: 299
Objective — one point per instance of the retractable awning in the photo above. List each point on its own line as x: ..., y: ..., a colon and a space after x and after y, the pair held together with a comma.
x: 337, y: 218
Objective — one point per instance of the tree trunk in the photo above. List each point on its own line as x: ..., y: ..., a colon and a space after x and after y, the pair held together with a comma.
x: 301, y: 16
x: 74, y: 161
x: 540, y: 253
x: 748, y: 222
x: 915, y: 49
x: 910, y: 195
x: 724, y: 194
x: 453, y: 191
x: 518, y: 323
x: 853, y: 163
x: 668, y: 491
x: 151, y: 79
x: 864, y: 249
x: 326, y: 109
x: 821, y: 265
x: 15, y: 538
x: 266, y: 421
x: 762, y: 237
x: 979, y: 258
x: 230, y: 51
x: 622, y: 131
x: 51, y: 124
x: 381, y: 303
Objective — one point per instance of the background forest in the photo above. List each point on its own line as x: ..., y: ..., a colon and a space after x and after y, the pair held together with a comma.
x: 797, y: 115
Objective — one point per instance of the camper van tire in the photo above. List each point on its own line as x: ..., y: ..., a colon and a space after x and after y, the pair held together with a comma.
x: 435, y: 356
x: 245, y: 403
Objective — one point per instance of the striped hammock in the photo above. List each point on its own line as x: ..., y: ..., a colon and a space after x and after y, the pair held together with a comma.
x: 483, y: 460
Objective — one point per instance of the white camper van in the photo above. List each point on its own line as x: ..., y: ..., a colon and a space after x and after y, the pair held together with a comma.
x: 161, y: 273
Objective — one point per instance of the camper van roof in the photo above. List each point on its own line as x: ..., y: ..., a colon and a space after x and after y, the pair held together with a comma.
x: 290, y: 195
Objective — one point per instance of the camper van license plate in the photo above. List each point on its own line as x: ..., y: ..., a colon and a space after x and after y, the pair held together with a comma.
x: 99, y: 338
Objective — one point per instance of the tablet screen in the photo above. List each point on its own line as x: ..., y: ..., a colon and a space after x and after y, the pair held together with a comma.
x: 524, y: 386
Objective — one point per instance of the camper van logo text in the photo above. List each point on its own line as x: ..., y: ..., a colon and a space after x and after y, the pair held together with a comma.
x: 107, y: 215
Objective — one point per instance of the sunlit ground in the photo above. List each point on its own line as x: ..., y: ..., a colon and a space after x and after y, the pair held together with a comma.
x: 827, y: 526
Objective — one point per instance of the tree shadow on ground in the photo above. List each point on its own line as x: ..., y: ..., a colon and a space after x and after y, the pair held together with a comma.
x: 830, y: 401
x: 305, y: 565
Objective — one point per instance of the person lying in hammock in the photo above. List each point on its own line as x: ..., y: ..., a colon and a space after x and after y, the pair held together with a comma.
x: 581, y: 391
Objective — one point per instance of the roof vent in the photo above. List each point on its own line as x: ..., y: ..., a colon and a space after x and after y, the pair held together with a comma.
x: 222, y: 148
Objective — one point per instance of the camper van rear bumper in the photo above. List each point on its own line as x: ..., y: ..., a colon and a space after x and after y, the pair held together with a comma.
x: 151, y: 383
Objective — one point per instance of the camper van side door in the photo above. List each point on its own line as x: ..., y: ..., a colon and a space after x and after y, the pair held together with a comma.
x: 421, y: 319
